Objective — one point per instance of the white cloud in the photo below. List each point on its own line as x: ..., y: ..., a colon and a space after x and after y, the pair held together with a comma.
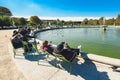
x: 34, y: 6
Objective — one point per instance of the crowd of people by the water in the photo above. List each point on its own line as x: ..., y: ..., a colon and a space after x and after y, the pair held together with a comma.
x: 24, y: 35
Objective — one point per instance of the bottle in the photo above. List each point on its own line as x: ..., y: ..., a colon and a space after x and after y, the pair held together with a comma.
x: 80, y: 48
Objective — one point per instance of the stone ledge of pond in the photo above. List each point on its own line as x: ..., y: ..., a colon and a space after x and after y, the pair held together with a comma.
x: 102, y: 59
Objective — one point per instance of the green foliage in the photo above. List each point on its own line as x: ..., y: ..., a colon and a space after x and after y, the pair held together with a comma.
x: 118, y: 20
x: 85, y: 21
x: 18, y: 21
x: 90, y: 22
x: 35, y: 20
x: 22, y: 21
x: 15, y: 21
x: 5, y: 21
x: 110, y: 21
x: 5, y: 11
x: 31, y: 24
x: 95, y: 22
x: 101, y: 20
x: 54, y: 22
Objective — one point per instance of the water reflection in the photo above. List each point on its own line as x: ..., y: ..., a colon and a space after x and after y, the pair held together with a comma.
x: 103, y: 32
x: 85, y: 30
x: 118, y: 32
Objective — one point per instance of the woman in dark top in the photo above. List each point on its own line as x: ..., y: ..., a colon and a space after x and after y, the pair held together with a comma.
x: 68, y: 53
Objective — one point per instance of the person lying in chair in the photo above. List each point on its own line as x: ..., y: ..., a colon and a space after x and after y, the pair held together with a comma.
x: 77, y: 51
x: 64, y: 49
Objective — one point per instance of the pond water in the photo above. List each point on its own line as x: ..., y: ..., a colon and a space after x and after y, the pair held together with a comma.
x: 93, y: 40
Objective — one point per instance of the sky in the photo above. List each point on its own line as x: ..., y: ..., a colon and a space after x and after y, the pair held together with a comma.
x: 63, y: 8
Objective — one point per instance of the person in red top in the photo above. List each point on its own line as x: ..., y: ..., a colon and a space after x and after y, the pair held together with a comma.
x: 43, y: 46
x: 46, y: 47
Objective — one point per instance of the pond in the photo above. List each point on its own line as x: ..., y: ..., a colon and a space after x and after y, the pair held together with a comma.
x: 93, y: 40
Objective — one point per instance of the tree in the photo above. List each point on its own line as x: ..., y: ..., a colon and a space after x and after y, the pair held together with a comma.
x: 95, y: 22
x: 4, y: 16
x: 118, y: 20
x: 68, y: 23
x: 85, y: 21
x: 90, y: 22
x: 5, y: 11
x: 62, y: 22
x: 5, y: 21
x: 110, y: 21
x: 15, y: 21
x: 30, y: 24
x: 101, y: 20
x: 22, y: 21
x: 54, y: 22
x: 35, y: 20
x: 45, y: 23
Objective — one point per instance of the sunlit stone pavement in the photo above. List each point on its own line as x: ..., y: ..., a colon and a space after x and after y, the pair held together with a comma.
x: 46, y: 70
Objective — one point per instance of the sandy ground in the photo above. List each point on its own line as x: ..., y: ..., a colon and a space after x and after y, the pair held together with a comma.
x: 8, y: 70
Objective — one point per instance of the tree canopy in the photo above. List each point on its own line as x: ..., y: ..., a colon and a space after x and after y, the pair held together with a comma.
x: 35, y: 20
x: 118, y: 20
x: 5, y: 11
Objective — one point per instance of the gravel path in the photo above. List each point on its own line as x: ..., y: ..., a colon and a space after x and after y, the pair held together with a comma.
x: 8, y: 69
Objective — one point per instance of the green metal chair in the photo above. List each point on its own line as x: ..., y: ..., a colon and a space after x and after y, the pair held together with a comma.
x: 16, y: 50
x: 25, y: 46
x: 60, y: 57
x: 63, y: 59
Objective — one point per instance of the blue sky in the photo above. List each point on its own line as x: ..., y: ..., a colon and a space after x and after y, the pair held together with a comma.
x: 63, y: 8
